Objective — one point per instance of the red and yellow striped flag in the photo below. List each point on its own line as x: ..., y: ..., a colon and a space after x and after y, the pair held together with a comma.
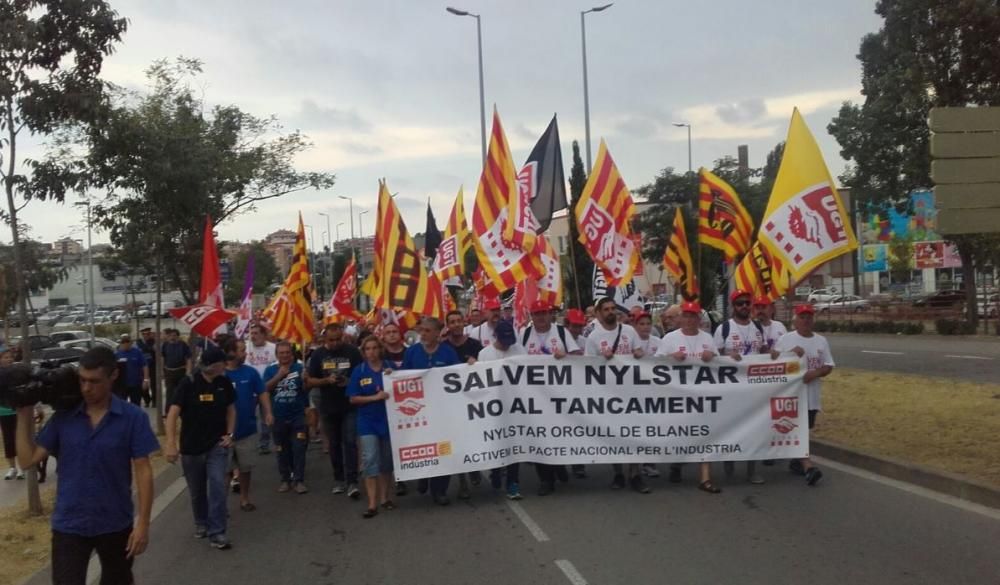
x: 505, y: 263
x: 604, y: 216
x: 762, y: 273
x: 290, y: 312
x: 677, y: 260
x: 550, y: 287
x: 723, y: 222
x: 448, y: 263
x: 401, y: 281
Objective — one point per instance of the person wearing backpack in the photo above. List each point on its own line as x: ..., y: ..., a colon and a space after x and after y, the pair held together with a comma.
x: 542, y: 337
x: 735, y: 338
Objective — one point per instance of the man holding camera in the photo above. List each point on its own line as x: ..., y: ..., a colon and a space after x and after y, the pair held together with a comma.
x: 98, y: 443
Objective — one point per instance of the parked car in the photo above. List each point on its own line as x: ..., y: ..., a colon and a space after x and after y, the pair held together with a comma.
x: 823, y: 295
x: 86, y: 344
x: 70, y: 322
x: 843, y: 304
x: 942, y: 299
x: 989, y: 306
x: 58, y: 336
x: 56, y: 356
x: 50, y: 319
x: 35, y: 342
x: 119, y: 316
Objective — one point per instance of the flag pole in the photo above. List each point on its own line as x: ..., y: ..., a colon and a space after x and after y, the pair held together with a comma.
x: 572, y: 266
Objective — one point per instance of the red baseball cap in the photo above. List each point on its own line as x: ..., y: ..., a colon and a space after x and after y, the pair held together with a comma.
x: 691, y: 307
x: 491, y: 304
x: 762, y: 302
x: 576, y: 317
x: 540, y: 306
x: 805, y: 309
x: 739, y: 293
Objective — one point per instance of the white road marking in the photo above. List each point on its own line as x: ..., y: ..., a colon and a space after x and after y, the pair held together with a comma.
x: 571, y: 573
x: 160, y: 504
x: 966, y: 505
x: 882, y: 352
x: 970, y: 357
x: 530, y: 524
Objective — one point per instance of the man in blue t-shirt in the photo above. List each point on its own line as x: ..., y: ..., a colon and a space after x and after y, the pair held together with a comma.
x: 431, y: 353
x: 100, y: 444
x: 136, y: 369
x: 289, y: 399
x: 250, y: 393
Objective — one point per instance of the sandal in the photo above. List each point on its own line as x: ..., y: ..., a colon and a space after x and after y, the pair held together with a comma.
x: 388, y: 505
x: 247, y: 507
x: 708, y: 486
x: 370, y: 513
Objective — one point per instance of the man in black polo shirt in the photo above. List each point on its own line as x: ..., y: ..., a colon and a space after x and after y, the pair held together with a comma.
x: 206, y: 403
x: 330, y: 368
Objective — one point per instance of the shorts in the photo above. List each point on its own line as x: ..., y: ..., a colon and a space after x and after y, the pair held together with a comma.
x: 812, y: 418
x: 314, y: 398
x: 245, y: 453
x: 376, y: 455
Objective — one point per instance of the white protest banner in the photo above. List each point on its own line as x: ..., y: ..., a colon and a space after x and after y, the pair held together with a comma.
x: 592, y: 410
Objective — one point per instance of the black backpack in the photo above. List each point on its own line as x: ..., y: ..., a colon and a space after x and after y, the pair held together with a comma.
x: 559, y: 329
x: 725, y: 329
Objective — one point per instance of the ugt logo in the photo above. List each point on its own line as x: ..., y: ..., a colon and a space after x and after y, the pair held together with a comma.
x: 408, y: 394
x: 784, y: 411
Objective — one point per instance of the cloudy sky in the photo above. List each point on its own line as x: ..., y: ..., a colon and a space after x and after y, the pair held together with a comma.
x: 389, y: 88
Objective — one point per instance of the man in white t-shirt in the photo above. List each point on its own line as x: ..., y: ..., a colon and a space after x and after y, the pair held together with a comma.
x: 608, y: 339
x: 690, y: 343
x: 649, y: 342
x: 819, y: 363
x: 260, y: 354
x: 475, y: 320
x: 737, y: 337
x: 544, y: 338
x: 763, y: 311
x: 484, y: 333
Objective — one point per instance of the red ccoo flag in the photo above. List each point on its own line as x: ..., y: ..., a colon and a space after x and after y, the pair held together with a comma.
x: 211, y: 281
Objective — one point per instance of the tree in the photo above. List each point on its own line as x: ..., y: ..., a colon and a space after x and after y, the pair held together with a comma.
x: 265, y: 272
x: 578, y: 284
x: 166, y: 160
x: 928, y: 53
x: 51, y: 53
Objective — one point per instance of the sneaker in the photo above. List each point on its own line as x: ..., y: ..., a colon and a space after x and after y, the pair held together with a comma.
x: 795, y: 467
x: 300, y: 488
x: 353, y: 492
x: 675, y: 473
x: 20, y: 474
x: 234, y: 484
x: 401, y: 489
x: 650, y: 471
x: 756, y: 479
x: 339, y: 489
x: 284, y: 487
x: 639, y: 485
x: 220, y: 541
x: 618, y: 482
x: 513, y: 492
x: 813, y: 475
x: 11, y: 473
x: 200, y: 532
x: 546, y: 489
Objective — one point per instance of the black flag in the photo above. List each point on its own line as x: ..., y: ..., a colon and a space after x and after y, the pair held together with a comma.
x: 543, y: 176
x: 432, y: 235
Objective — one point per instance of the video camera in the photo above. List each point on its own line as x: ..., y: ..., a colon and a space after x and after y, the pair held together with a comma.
x: 23, y: 385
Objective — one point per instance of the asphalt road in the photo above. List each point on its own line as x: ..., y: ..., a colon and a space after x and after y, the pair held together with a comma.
x: 850, y: 529
x: 976, y: 359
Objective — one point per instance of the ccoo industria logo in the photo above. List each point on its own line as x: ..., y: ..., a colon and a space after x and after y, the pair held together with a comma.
x: 771, y: 372
x: 784, y: 412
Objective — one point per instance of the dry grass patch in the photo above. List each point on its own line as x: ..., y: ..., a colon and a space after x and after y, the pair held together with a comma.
x: 940, y: 423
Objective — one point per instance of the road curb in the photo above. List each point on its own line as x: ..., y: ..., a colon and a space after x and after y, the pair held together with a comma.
x: 932, y: 479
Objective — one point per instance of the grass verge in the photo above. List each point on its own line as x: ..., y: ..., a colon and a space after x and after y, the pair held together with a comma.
x: 938, y: 423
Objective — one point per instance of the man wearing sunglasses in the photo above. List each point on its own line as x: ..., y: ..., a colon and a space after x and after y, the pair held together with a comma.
x: 737, y: 337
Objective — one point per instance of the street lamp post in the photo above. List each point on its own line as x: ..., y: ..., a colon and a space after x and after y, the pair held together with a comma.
x: 688, y: 126
x: 338, y: 234
x: 586, y: 91
x: 361, y: 234
x: 482, y: 95
x: 328, y: 232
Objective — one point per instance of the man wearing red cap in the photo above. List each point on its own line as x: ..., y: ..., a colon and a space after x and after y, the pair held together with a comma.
x: 690, y: 343
x: 484, y: 332
x: 737, y: 337
x: 608, y: 339
x: 819, y: 363
x: 763, y: 310
x: 541, y: 338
